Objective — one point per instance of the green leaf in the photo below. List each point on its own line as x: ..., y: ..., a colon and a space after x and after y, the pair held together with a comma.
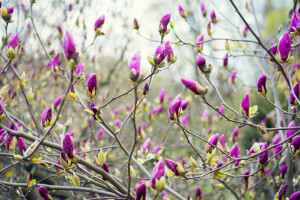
x: 253, y: 109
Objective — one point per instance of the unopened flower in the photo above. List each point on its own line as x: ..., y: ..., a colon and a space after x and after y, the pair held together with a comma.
x: 261, y: 84
x: 293, y: 100
x: 201, y: 63
x: 91, y: 88
x: 295, y: 22
x: 221, y: 110
x: 184, y: 104
x: 195, y: 87
x: 146, y: 146
x: 222, y: 141
x: 235, y: 134
x: 295, y: 144
x: 184, y: 120
x: 213, y: 17
x: 55, y: 64
x: 225, y: 60
x: 199, y: 43
x: 68, y: 146
x: 13, y: 42
x: 214, y: 141
x: 141, y: 192
x: 146, y: 89
x: 290, y: 132
x: 245, y: 32
x: 203, y: 9
x: 277, y: 152
x: 246, y: 179
x: 245, y: 106
x: 162, y: 95
x: 69, y: 45
x: 235, y: 150
x: 174, y: 110
x: 256, y: 147
x: 134, y: 67
x: 233, y: 76
x: 10, y: 10
x: 175, y: 167
x: 99, y: 22
x: 163, y: 30
x: 295, y: 196
x: 282, y: 171
x: 281, y: 192
x: 136, y: 24
x: 44, y: 193
x: 46, y: 117
x: 181, y: 11
x: 57, y: 102
x: 263, y: 157
x: 284, y: 47
x: 105, y: 167
x: 22, y: 145
x: 198, y: 195
x: 80, y: 71
x: 161, y: 52
x: 157, y: 173
x: 3, y: 132
x: 209, y: 31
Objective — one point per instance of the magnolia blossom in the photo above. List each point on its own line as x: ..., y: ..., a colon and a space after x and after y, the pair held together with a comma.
x: 283, y: 170
x: 264, y: 157
x: 203, y: 9
x: 46, y: 117
x: 164, y: 23
x: 69, y: 45
x: 235, y: 150
x: 44, y: 193
x: 284, y: 47
x: 134, y: 67
x: 146, y: 146
x: 157, y: 173
x: 68, y: 145
x: 174, y: 111
x: 91, y: 86
x: 295, y: 144
x: 162, y: 95
x: 99, y: 22
x: 245, y: 106
x: 141, y: 192
x: 13, y: 42
x: 198, y: 195
x: 181, y: 11
x: 22, y: 145
x: 293, y: 100
x: 212, y: 140
x: 261, y: 84
x: 295, y: 22
x: 199, y: 43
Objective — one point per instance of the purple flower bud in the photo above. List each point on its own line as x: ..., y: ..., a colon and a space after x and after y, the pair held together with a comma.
x: 261, y: 84
x: 146, y: 146
x: 198, y: 195
x: 290, y: 132
x: 245, y: 32
x: 22, y: 6
x: 235, y: 150
x: 100, y: 133
x: 157, y: 172
x: 118, y: 123
x: 277, y: 151
x: 245, y: 105
x: 235, y: 134
x: 295, y: 22
x: 201, y: 62
x: 79, y: 69
x: 1, y: 111
x: 172, y: 165
x: 193, y: 86
x: 295, y: 196
x: 105, y: 167
x: 9, y: 140
x: 221, y: 110
x: 68, y: 145
x: 141, y: 192
x: 162, y: 95
x: 181, y: 11
x: 22, y: 145
x: 284, y: 46
x: 233, y: 76
x: 282, y: 170
x: 281, y: 192
x: 293, y: 101
x: 273, y: 50
x: 174, y: 108
x: 164, y: 23
x: 44, y: 193
x: 10, y: 10
x: 92, y: 86
x: 2, y: 134
x: 162, y: 51
x: 136, y: 24
x: 13, y: 42
x: 134, y: 66
x: 184, y: 104
x: 156, y: 149
x: 146, y: 89
x: 55, y: 64
x: 213, y: 140
x: 57, y: 102
x: 99, y: 22
x: 203, y: 9
x: 263, y: 157
x: 69, y: 45
x: 222, y: 141
x: 295, y: 144
x: 225, y: 60
x: 46, y: 117
x: 246, y: 179
x: 199, y: 43
x: 184, y: 120
x: 213, y: 16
